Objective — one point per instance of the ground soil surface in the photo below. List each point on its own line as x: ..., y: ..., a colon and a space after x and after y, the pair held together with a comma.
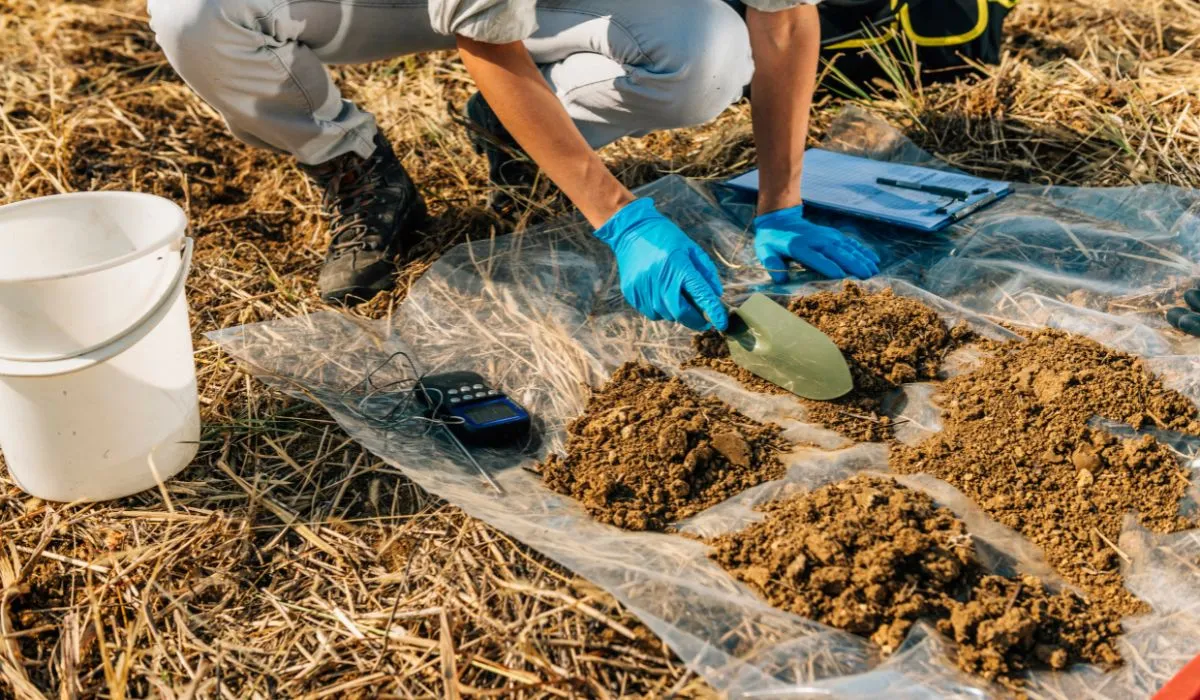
x: 1017, y: 441
x: 872, y: 557
x: 888, y: 340
x: 648, y: 451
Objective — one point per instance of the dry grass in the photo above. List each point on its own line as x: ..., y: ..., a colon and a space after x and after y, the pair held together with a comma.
x: 290, y: 562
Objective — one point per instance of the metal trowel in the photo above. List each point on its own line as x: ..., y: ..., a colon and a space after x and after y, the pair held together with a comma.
x: 784, y: 349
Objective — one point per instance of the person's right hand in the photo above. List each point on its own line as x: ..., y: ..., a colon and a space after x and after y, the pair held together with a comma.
x: 664, y: 274
x: 1187, y: 319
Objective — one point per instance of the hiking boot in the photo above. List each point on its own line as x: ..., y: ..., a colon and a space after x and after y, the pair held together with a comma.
x: 373, y: 208
x: 509, y: 170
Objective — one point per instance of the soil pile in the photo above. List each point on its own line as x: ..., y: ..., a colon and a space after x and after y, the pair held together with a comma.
x: 1016, y: 440
x: 1010, y: 625
x: 649, y: 450
x: 888, y: 340
x: 872, y: 557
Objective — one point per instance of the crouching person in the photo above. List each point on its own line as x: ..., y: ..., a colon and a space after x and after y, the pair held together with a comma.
x: 557, y: 79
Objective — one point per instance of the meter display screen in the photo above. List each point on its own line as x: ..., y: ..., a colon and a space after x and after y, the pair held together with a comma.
x: 489, y: 412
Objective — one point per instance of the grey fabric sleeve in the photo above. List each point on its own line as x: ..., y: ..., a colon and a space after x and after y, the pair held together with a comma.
x: 489, y: 21
x: 776, y: 5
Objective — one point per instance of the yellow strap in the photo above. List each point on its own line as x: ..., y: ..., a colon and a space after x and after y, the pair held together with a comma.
x: 866, y: 41
x: 919, y: 40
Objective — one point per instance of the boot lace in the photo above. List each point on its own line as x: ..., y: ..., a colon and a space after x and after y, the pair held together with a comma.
x: 349, y: 194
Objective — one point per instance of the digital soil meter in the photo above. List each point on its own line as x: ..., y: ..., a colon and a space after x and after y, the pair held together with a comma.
x: 474, y: 411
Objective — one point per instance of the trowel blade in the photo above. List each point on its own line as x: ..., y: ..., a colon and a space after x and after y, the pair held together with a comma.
x: 784, y: 349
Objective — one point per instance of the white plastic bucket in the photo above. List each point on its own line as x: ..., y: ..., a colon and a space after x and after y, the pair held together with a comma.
x: 109, y: 408
x: 77, y: 270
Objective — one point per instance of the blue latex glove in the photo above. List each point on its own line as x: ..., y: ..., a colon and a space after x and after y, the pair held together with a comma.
x: 664, y: 274
x: 1187, y: 318
x: 785, y: 235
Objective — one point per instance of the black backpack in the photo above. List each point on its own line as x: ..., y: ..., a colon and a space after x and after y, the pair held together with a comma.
x: 945, y: 35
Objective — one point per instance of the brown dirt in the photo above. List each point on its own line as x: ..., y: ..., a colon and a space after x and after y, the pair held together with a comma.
x: 888, y: 340
x: 1010, y: 625
x: 648, y: 451
x: 872, y: 557
x: 1016, y: 441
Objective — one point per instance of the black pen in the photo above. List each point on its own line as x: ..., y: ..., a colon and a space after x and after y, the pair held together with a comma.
x: 921, y: 187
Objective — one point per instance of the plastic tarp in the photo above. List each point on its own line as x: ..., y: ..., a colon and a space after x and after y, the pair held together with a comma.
x: 540, y: 313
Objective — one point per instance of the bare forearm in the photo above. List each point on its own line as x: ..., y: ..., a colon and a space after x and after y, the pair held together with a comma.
x: 786, y: 47
x: 515, y: 90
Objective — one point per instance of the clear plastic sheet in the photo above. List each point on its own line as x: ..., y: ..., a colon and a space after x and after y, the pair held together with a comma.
x: 540, y: 313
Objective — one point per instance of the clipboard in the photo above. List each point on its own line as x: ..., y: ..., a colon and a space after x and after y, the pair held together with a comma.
x: 855, y: 186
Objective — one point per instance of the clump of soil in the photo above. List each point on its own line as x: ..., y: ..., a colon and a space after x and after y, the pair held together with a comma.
x: 872, y: 557
x: 864, y: 555
x: 1016, y: 440
x: 888, y: 340
x: 649, y: 450
x: 1010, y: 625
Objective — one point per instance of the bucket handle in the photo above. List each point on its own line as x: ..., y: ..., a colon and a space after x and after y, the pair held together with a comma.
x: 168, y: 296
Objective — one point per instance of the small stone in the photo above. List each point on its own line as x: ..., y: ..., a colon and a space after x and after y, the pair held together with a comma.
x: 867, y: 499
x: 1052, y: 656
x: 1085, y: 459
x: 733, y: 447
x: 672, y: 442
x: 1051, y: 457
x: 797, y: 567
x: 758, y: 575
x: 1084, y: 479
x: 679, y: 488
x: 698, y: 458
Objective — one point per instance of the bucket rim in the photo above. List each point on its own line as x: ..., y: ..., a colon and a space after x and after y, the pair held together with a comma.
x: 116, y: 346
x: 173, y: 237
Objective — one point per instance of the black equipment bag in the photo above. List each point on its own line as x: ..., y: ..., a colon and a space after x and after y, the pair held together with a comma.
x: 943, y: 36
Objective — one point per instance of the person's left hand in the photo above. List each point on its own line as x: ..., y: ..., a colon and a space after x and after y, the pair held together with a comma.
x: 785, y: 235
